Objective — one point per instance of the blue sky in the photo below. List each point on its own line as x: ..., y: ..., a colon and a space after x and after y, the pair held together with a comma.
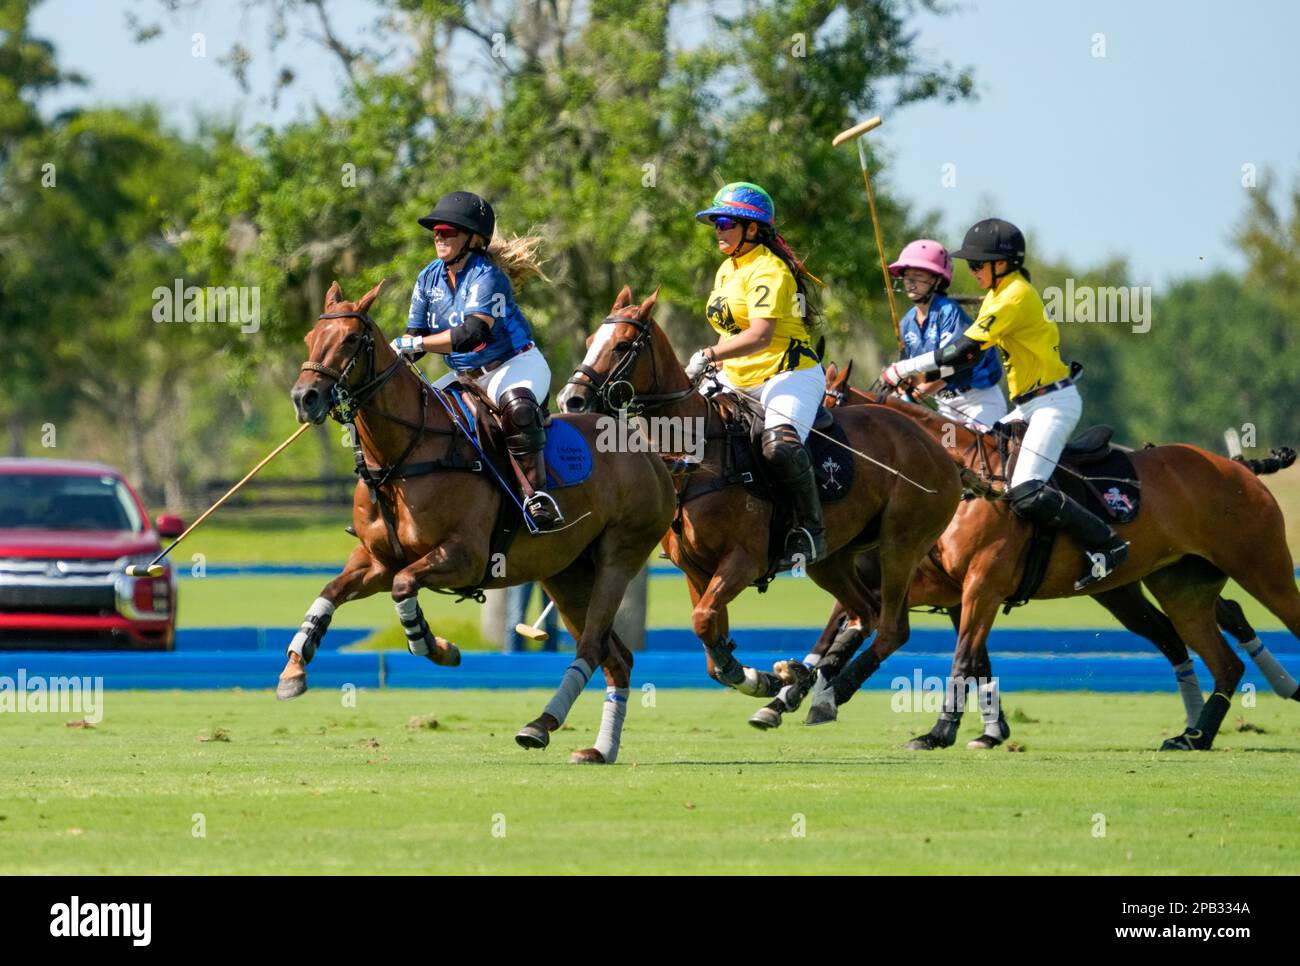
x: 1137, y: 153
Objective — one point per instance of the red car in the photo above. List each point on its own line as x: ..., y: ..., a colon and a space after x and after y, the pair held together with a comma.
x: 68, y: 531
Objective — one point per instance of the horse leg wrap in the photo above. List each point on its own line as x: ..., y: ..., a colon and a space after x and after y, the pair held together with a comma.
x: 1190, y: 690
x: 791, y: 696
x: 726, y: 669
x: 313, y: 628
x: 1283, y: 684
x: 611, y: 723
x: 847, y: 682
x: 419, y: 638
x: 575, y: 679
x: 991, y: 710
x: 1212, y: 717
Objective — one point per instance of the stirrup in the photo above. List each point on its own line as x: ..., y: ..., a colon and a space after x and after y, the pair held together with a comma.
x: 809, y: 550
x: 543, y: 510
x: 1102, y: 563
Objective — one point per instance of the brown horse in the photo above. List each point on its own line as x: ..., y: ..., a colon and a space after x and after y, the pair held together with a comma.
x: 720, y: 538
x: 1204, y: 519
x: 443, y: 512
x: 1128, y: 604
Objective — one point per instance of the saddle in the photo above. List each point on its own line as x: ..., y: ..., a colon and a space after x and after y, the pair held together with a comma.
x: 741, y: 463
x: 1094, y: 471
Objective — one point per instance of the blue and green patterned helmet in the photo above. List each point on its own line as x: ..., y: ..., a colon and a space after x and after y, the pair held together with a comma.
x: 740, y: 199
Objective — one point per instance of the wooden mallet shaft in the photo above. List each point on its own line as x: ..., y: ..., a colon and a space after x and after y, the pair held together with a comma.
x: 154, y: 568
x: 856, y: 132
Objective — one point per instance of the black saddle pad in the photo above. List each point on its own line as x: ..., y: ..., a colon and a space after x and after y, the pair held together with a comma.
x: 1109, y: 486
x: 833, y: 466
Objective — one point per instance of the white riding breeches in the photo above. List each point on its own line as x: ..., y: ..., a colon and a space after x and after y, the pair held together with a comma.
x: 1052, y: 418
x: 788, y: 398
x: 977, y: 408
x: 527, y: 369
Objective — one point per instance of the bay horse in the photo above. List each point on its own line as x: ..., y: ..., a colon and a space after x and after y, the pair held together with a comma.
x: 442, y: 513
x: 1204, y: 519
x: 842, y: 636
x: 720, y: 536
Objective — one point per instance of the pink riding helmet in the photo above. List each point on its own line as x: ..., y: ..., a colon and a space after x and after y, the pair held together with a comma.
x: 926, y: 254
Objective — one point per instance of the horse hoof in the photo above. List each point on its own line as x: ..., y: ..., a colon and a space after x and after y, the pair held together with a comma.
x: 290, y: 688
x: 444, y: 653
x: 533, y: 735
x: 1187, y: 741
x: 822, y: 709
x: 765, y: 718
x: 983, y: 743
x: 927, y: 742
x: 587, y: 756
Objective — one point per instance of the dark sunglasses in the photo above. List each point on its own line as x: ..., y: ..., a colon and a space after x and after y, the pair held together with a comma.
x: 976, y: 266
x: 446, y: 232
x: 723, y: 223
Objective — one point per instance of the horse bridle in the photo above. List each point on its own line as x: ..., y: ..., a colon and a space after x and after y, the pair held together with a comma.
x: 346, y: 398
x: 619, y: 377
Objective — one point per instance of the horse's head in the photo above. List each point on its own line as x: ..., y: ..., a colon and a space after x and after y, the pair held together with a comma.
x: 341, y: 354
x: 610, y: 375
x: 837, y: 384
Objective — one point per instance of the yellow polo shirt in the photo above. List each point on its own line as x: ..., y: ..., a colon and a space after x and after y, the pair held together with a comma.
x: 758, y: 285
x: 1012, y: 318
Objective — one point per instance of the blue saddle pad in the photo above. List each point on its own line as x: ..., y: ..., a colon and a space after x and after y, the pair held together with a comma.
x: 568, y: 455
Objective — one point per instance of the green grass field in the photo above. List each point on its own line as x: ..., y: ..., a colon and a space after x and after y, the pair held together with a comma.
x: 312, y: 786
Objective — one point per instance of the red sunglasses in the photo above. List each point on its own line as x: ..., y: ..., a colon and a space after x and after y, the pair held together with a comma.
x: 446, y: 231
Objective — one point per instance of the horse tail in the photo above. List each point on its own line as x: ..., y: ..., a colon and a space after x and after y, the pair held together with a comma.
x: 1279, y: 459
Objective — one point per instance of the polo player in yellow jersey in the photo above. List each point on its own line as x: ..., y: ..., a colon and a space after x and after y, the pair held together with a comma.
x: 1040, y: 384
x: 759, y: 308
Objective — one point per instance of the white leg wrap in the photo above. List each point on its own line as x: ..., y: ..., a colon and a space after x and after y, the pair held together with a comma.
x: 1190, y: 690
x: 752, y: 684
x: 576, y: 677
x: 320, y: 607
x: 1268, y: 665
x: 408, y: 613
x: 611, y: 723
x: 784, y: 695
x: 811, y: 658
x: 990, y: 706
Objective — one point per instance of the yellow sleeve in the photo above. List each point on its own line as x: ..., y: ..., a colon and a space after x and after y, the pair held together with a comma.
x: 995, y: 319
x: 770, y: 294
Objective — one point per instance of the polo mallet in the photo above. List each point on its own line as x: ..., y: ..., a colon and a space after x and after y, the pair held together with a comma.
x: 154, y: 568
x: 534, y: 633
x: 855, y: 133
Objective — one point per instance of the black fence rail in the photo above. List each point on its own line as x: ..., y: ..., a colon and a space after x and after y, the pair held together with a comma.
x: 259, y: 493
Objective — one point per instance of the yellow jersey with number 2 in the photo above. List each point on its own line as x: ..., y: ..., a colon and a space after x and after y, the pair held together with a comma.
x: 1012, y: 317
x: 758, y: 285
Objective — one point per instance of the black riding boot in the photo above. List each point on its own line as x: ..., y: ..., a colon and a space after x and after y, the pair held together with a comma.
x: 792, y: 471
x: 1040, y: 503
x: 522, y: 419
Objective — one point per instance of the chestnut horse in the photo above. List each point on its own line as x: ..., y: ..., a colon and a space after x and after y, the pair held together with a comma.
x: 1204, y: 519
x: 443, y: 518
x: 720, y: 539
x: 1128, y: 604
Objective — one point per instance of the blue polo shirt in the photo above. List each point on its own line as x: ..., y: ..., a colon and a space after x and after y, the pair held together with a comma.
x: 943, y: 323
x: 481, y: 289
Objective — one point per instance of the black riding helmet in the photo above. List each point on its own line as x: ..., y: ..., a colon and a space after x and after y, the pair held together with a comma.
x: 993, y: 239
x: 466, y: 211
